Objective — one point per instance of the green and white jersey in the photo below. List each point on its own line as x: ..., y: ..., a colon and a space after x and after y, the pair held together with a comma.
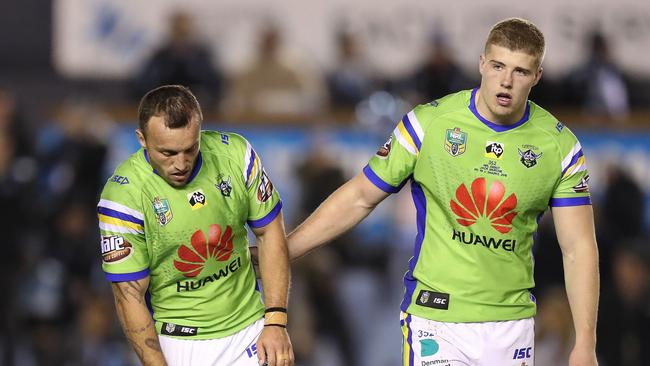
x: 192, y: 240
x: 479, y: 190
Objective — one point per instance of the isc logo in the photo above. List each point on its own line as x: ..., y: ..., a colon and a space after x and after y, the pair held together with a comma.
x: 110, y: 243
x: 188, y: 330
x: 439, y: 300
x: 522, y: 353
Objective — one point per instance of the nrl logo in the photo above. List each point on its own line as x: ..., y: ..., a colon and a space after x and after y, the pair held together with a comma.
x: 455, y: 141
x: 162, y: 210
x: 425, y: 297
x: 529, y: 158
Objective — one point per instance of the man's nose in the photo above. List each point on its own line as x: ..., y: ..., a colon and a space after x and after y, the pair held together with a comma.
x: 506, y: 80
x: 181, y: 162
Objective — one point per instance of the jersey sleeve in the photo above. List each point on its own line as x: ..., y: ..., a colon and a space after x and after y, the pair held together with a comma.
x: 391, y: 167
x: 573, y: 187
x: 264, y: 202
x: 121, y: 225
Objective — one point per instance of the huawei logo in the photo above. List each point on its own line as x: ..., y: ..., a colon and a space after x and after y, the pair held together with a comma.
x: 192, y: 260
x: 486, y: 202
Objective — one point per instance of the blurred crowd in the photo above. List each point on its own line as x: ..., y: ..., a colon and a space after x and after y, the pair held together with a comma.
x: 57, y: 307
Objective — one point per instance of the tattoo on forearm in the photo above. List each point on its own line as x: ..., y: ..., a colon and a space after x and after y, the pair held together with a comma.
x: 153, y: 344
x: 129, y: 291
x: 138, y: 350
x: 137, y: 330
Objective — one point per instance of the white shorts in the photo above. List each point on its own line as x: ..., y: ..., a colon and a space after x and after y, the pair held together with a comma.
x: 431, y: 343
x: 239, y: 349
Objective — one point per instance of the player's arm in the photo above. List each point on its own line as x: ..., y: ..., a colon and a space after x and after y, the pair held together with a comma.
x: 273, y: 345
x: 136, y: 320
x: 341, y: 211
x: 574, y: 226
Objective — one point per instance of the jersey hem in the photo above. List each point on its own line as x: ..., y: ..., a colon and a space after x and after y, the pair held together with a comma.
x: 405, y: 314
x: 213, y: 335
x: 525, y: 314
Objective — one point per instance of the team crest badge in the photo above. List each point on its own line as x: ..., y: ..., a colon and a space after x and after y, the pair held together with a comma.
x: 529, y: 158
x: 197, y: 199
x: 162, y: 210
x: 455, y: 141
x: 170, y: 328
x: 384, y: 150
x: 225, y: 186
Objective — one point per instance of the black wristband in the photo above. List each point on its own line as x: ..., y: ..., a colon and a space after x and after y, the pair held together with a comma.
x: 275, y: 325
x: 278, y: 309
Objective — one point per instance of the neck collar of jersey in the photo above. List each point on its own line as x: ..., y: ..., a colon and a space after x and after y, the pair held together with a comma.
x: 496, y: 127
x: 195, y: 170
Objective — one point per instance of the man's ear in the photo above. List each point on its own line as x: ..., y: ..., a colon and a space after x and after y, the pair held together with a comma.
x: 538, y: 75
x: 481, y: 63
x: 141, y: 139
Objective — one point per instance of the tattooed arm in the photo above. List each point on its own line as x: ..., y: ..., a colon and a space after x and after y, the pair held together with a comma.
x: 136, y: 320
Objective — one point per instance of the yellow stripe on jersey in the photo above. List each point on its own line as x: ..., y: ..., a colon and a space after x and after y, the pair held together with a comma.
x: 117, y: 223
x: 406, y: 350
x: 577, y: 167
x: 405, y: 139
x: 253, y: 174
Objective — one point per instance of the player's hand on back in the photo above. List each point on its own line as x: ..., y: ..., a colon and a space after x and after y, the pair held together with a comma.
x: 274, y: 347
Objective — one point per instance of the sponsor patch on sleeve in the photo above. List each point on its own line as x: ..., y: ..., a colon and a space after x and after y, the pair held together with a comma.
x: 115, y: 248
x: 265, y: 188
x: 384, y: 150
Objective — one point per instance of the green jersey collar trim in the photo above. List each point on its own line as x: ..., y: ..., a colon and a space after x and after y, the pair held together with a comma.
x: 496, y: 127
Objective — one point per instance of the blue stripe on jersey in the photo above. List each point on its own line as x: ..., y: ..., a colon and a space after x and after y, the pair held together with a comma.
x: 374, y: 178
x: 146, y: 157
x: 411, y: 131
x: 421, y: 208
x: 570, y: 201
x: 495, y: 127
x: 123, y: 277
x: 147, y: 300
x: 119, y: 215
x: 409, y: 339
x: 574, y: 159
x: 197, y: 167
x: 250, y: 167
x: 266, y: 219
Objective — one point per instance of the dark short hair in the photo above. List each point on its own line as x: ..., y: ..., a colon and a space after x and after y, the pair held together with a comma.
x: 175, y: 103
x: 518, y: 34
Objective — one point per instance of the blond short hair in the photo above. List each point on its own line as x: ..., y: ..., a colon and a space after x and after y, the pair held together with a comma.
x: 517, y: 34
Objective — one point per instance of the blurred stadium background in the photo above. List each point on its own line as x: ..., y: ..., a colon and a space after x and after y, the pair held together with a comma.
x: 316, y: 87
